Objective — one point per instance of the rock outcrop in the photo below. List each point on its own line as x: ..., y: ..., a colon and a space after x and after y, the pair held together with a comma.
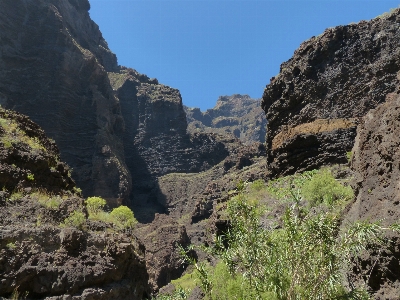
x: 314, y: 104
x: 117, y: 129
x: 376, y: 165
x: 237, y: 115
x: 41, y: 256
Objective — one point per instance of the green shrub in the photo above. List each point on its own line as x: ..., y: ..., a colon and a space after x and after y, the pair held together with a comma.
x: 76, y: 190
x: 76, y: 219
x: 179, y: 294
x: 123, y: 217
x: 306, y: 258
x: 11, y: 246
x: 258, y: 185
x: 30, y: 177
x: 52, y: 202
x: 95, y: 204
x: 323, y: 187
x: 349, y: 156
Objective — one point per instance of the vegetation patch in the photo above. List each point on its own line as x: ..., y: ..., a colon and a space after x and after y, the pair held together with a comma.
x: 122, y: 217
x: 14, y: 135
x: 76, y: 219
x: 306, y: 258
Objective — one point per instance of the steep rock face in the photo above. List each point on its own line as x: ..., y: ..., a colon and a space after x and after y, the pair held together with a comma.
x: 313, y: 104
x: 53, y: 63
x: 155, y: 138
x: 110, y: 122
x: 376, y: 162
x: 237, y: 115
x: 163, y: 260
x: 40, y: 258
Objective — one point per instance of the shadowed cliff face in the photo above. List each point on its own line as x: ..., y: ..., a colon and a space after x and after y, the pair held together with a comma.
x: 110, y: 122
x: 155, y: 139
x: 53, y: 63
x: 313, y: 104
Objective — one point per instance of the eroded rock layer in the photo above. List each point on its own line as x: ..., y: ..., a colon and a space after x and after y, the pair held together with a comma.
x: 313, y: 104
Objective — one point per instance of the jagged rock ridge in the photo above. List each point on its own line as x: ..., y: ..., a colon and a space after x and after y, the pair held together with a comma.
x: 313, y: 105
x: 237, y: 115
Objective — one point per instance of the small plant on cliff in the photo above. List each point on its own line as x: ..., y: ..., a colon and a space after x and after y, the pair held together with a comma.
x: 123, y: 217
x: 30, y: 177
x: 11, y: 246
x: 76, y: 219
x: 95, y: 205
x: 76, y: 190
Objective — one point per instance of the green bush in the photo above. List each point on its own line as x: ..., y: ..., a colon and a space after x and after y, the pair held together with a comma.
x: 95, y: 205
x: 258, y: 185
x: 123, y: 217
x: 76, y: 219
x: 323, y: 187
x: 306, y: 258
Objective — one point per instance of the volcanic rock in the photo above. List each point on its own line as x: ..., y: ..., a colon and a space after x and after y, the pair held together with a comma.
x: 41, y: 256
x: 313, y: 105
x: 237, y: 115
x: 375, y: 162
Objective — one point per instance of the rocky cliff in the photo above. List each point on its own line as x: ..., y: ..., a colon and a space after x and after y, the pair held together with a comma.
x: 116, y: 128
x: 54, y: 65
x: 314, y: 104
x: 376, y: 166
x: 42, y: 257
x: 237, y: 115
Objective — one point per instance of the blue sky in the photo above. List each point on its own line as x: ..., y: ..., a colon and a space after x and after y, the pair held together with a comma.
x: 221, y: 47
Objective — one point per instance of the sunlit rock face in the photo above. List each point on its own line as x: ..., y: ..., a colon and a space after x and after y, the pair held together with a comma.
x: 314, y: 104
x: 237, y: 115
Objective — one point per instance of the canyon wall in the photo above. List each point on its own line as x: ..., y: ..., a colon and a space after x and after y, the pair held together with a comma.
x: 314, y: 104
x: 117, y: 129
x: 236, y: 115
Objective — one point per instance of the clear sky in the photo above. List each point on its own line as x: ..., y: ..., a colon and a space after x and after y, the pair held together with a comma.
x: 219, y: 47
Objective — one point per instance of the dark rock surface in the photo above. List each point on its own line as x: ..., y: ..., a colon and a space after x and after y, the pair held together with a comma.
x: 192, y: 198
x: 376, y: 165
x: 39, y: 257
x: 313, y: 104
x: 155, y: 138
x: 116, y: 128
x: 54, y: 64
x: 163, y: 260
x: 237, y: 115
